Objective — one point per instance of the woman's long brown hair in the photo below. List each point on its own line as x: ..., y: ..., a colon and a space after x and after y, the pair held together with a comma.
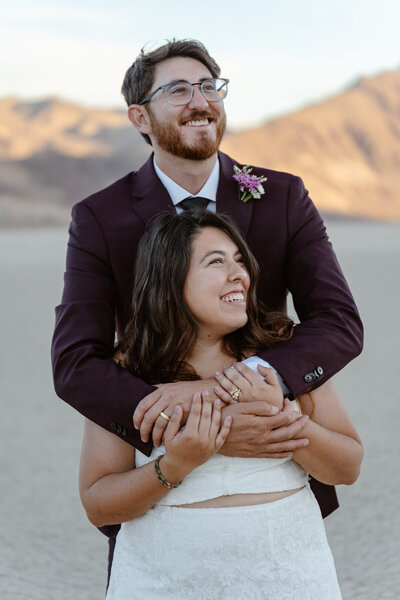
x: 161, y: 332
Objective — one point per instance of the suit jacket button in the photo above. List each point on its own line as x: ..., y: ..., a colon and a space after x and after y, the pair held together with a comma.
x: 119, y: 428
x: 113, y: 426
x: 320, y: 371
x: 123, y: 432
x: 309, y: 377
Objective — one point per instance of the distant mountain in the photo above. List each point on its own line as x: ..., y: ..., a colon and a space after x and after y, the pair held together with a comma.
x: 54, y: 153
x: 346, y: 149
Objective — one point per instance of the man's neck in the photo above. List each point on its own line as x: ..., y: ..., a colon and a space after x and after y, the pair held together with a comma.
x: 189, y: 174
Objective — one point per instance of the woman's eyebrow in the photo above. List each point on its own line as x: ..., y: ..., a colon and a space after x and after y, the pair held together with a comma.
x: 207, y: 254
x: 222, y: 252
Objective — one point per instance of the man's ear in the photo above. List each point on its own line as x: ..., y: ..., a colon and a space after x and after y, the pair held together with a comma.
x: 139, y: 118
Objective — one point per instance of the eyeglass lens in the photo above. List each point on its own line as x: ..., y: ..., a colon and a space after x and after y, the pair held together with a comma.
x: 181, y: 93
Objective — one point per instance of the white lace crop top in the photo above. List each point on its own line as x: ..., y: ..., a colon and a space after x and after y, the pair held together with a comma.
x: 226, y: 475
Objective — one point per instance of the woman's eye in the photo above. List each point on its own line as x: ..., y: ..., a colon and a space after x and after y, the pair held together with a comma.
x: 215, y: 261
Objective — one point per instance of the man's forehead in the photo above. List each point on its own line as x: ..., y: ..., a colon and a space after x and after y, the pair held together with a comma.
x: 179, y: 68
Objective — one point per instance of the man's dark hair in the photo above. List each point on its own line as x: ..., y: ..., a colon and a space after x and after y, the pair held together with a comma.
x: 162, y: 331
x: 139, y: 78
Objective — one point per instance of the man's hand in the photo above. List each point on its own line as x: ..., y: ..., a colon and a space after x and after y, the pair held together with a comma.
x: 258, y: 433
x: 164, y: 399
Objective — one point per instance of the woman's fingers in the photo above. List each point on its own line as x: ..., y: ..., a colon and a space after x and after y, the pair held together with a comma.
x: 174, y: 424
x: 223, y: 395
x: 192, y: 423
x: 251, y: 376
x: 231, y: 379
x: 223, y: 433
x: 215, y: 419
x: 206, y: 413
x: 269, y: 375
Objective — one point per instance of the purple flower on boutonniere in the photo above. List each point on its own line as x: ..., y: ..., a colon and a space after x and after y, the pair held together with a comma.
x: 250, y: 186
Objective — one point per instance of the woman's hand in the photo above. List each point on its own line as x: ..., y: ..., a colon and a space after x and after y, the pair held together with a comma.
x: 201, y: 438
x: 253, y: 386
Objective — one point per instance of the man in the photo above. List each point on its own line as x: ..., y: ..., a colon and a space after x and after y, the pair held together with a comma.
x: 175, y: 99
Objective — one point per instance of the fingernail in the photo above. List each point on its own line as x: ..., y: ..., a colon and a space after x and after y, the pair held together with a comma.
x: 218, y: 402
x: 274, y: 410
x: 176, y: 409
x: 290, y: 455
x: 206, y: 393
x: 217, y: 373
x: 306, y: 442
x: 216, y: 388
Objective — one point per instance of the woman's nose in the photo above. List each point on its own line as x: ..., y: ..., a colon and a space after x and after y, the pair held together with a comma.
x: 237, y: 272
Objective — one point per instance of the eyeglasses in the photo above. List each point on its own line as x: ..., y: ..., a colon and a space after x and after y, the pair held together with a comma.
x: 178, y: 93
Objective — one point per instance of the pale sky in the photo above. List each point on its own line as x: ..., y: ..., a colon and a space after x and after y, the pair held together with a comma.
x: 279, y: 55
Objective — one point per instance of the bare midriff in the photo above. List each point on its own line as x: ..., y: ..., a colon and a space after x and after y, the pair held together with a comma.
x: 239, y: 500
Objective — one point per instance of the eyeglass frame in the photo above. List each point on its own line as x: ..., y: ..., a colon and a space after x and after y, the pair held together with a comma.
x: 200, y: 83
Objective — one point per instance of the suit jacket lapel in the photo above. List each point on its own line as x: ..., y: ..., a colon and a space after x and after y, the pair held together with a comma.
x: 149, y: 194
x: 228, y: 201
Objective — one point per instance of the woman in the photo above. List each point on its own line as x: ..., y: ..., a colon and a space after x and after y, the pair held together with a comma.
x: 197, y: 524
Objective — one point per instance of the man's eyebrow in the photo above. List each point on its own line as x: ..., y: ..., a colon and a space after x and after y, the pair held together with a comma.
x: 176, y: 81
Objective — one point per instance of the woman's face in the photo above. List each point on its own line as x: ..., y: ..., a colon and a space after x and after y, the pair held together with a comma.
x: 216, y: 285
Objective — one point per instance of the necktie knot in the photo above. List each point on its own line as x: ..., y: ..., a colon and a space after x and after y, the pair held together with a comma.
x: 192, y: 203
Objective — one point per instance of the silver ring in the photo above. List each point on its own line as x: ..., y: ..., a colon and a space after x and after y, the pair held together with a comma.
x: 235, y: 394
x: 164, y: 416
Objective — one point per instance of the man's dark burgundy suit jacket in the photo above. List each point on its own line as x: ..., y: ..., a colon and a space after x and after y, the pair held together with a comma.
x: 288, y: 238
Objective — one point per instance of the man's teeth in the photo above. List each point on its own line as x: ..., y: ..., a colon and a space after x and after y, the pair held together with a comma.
x: 196, y: 123
x: 233, y: 298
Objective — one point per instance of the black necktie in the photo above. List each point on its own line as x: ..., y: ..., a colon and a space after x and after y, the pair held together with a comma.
x: 192, y: 203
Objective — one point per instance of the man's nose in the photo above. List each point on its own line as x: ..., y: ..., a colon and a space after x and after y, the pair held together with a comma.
x: 198, y: 100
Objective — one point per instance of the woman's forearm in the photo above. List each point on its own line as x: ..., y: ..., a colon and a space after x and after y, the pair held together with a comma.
x: 330, y: 457
x: 120, y: 497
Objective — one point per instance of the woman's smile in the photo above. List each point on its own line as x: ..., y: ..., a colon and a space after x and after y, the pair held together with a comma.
x: 217, y: 283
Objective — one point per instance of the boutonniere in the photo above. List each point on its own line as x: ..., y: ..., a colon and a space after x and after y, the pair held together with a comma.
x: 250, y: 186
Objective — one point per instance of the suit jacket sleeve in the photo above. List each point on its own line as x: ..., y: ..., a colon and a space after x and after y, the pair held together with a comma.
x: 330, y: 332
x: 85, y: 375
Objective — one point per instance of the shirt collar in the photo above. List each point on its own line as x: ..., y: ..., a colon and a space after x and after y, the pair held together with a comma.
x: 178, y: 193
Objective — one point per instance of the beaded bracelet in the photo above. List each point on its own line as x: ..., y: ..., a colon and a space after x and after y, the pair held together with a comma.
x: 160, y: 476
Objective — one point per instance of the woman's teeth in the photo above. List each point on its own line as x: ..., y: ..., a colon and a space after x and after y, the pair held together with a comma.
x: 233, y: 298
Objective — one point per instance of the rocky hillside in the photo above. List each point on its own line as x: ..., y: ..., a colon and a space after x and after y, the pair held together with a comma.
x: 346, y: 149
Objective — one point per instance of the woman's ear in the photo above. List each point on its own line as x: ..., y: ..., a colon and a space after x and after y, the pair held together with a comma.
x: 139, y: 118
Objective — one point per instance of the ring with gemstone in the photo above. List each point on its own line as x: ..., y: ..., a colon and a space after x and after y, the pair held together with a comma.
x: 235, y: 394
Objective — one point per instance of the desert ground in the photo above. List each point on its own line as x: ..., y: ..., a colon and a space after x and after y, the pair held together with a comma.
x: 49, y: 551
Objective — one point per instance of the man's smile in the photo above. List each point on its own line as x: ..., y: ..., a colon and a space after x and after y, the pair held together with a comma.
x: 197, y: 123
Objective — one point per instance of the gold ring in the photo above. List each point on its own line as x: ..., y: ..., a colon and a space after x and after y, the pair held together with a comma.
x: 235, y: 394
x: 164, y: 416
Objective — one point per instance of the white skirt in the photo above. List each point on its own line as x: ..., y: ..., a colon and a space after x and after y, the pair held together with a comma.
x: 273, y: 551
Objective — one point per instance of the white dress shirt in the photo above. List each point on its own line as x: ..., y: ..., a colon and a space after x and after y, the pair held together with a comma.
x: 178, y: 193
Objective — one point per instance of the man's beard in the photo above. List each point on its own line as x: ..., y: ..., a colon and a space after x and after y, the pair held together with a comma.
x: 169, y: 137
